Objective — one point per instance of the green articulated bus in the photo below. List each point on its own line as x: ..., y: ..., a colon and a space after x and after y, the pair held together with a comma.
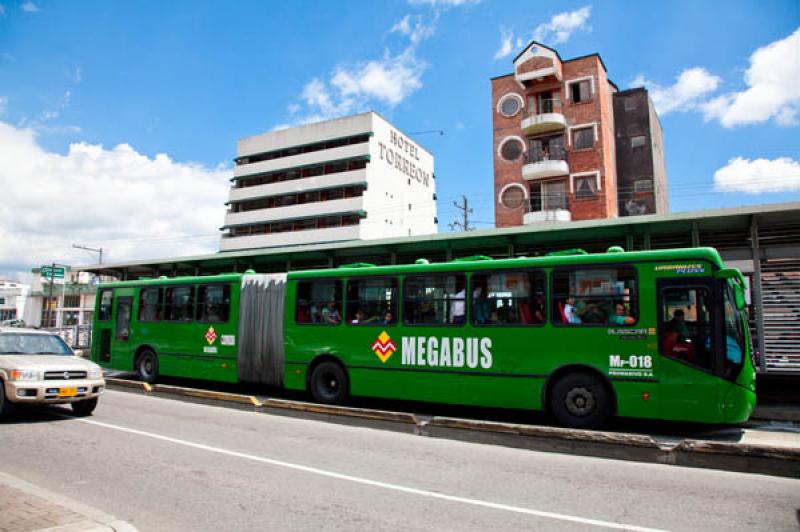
x: 645, y: 334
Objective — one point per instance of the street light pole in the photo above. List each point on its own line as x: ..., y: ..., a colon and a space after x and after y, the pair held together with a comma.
x: 87, y: 248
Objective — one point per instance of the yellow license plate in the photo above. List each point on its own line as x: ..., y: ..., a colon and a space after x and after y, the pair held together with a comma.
x: 67, y: 392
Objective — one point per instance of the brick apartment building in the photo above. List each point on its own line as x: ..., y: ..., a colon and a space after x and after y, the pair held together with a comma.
x: 556, y: 154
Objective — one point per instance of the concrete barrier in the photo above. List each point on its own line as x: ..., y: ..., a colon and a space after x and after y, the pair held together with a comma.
x: 134, y: 386
x: 398, y: 421
x: 246, y: 402
x: 729, y: 456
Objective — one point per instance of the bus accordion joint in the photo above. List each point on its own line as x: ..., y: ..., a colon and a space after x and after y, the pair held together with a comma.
x: 473, y: 258
x: 567, y: 252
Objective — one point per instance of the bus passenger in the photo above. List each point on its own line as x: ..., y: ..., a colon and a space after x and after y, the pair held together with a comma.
x: 620, y: 317
x: 360, y: 319
x: 678, y: 323
x: 458, y: 307
x: 388, y: 318
x: 571, y: 312
x: 330, y: 314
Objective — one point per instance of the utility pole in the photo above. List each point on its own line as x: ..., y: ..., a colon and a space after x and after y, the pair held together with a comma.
x: 87, y: 248
x: 466, y: 211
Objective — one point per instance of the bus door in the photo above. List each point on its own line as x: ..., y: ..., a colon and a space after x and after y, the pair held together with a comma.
x: 686, y: 339
x: 123, y: 309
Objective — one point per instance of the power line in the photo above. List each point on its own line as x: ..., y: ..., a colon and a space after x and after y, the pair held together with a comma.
x: 466, y: 211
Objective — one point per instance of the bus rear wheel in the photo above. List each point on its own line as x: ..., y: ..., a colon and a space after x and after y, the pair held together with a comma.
x: 147, y: 366
x: 329, y: 383
x: 581, y: 401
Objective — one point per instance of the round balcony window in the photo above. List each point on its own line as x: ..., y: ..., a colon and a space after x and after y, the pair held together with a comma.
x: 512, y: 197
x: 510, y: 105
x: 511, y: 150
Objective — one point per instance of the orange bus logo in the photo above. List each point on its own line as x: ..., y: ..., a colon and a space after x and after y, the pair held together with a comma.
x: 384, y: 347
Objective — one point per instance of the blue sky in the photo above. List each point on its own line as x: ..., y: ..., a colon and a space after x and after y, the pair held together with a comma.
x: 186, y: 79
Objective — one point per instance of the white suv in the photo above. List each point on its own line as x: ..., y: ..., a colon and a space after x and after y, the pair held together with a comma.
x: 37, y: 367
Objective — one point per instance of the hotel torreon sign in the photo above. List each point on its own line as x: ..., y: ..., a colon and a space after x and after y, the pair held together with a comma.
x: 404, y: 156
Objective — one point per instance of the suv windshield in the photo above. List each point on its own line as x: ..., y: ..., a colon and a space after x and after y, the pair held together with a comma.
x: 32, y: 344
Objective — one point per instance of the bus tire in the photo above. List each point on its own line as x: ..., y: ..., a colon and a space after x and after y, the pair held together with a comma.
x: 85, y: 407
x: 329, y: 383
x: 6, y: 406
x: 580, y: 401
x: 147, y: 366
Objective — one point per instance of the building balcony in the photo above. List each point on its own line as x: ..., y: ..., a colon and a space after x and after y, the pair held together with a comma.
x: 290, y: 238
x: 289, y: 212
x: 546, y: 119
x: 543, y: 164
x: 306, y: 184
x: 304, y: 159
x: 544, y: 208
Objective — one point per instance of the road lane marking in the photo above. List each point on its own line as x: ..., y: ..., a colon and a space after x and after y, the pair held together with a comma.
x: 369, y: 482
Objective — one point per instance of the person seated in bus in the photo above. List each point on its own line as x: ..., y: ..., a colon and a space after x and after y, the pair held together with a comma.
x: 361, y: 319
x: 313, y: 313
x: 571, y: 311
x: 330, y: 314
x: 678, y: 323
x: 538, y: 310
x: 620, y: 316
x: 388, y: 318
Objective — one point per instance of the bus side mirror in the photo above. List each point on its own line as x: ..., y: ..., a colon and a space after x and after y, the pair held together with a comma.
x: 736, y: 280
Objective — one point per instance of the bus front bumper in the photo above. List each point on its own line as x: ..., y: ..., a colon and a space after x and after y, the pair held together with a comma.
x: 739, y: 404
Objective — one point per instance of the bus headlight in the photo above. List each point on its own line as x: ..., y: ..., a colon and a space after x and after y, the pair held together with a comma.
x: 25, y: 375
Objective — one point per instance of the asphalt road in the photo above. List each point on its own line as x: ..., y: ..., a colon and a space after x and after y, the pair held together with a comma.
x: 163, y: 464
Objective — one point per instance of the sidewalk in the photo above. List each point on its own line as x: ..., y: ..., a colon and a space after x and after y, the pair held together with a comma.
x: 25, y: 507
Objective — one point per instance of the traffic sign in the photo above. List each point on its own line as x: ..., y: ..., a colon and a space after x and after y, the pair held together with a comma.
x: 48, y: 272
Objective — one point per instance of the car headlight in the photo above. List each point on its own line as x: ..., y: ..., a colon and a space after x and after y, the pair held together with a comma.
x: 25, y: 375
x: 96, y: 373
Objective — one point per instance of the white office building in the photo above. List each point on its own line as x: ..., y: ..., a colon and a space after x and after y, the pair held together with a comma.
x: 351, y: 178
x: 12, y: 300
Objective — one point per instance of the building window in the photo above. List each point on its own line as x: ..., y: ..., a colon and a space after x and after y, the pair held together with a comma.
x: 630, y: 104
x: 638, y: 141
x: 580, y: 91
x: 643, y: 185
x: 583, y: 138
x: 586, y: 186
x: 70, y: 318
x: 512, y: 196
x: 308, y: 148
x: 509, y: 105
x: 546, y: 149
x: 549, y: 196
x: 72, y: 301
x: 511, y: 149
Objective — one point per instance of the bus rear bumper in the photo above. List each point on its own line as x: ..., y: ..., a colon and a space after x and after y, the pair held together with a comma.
x: 739, y: 404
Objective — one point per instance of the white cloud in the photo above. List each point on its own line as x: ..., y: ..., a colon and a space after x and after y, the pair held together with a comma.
x: 561, y: 26
x: 132, y: 205
x: 3, y: 104
x: 690, y: 87
x: 29, y: 7
x: 758, y: 176
x: 506, y: 44
x: 773, y: 88
x: 414, y: 28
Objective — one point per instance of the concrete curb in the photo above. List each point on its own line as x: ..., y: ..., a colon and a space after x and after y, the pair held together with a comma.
x: 95, y: 519
x: 129, y: 385
x: 247, y: 402
x: 747, y: 458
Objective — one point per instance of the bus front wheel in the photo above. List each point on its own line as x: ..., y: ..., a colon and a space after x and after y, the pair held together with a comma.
x: 147, y: 366
x: 329, y: 383
x: 580, y: 401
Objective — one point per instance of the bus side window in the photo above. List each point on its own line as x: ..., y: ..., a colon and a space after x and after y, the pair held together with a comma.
x: 180, y: 303
x: 597, y: 296
x: 106, y: 298
x: 213, y: 303
x: 371, y: 301
x: 319, y: 302
x: 434, y: 299
x: 684, y: 330
x: 508, y: 298
x: 150, y: 304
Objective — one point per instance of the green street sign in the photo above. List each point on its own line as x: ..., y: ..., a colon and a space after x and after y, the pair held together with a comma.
x: 52, y: 273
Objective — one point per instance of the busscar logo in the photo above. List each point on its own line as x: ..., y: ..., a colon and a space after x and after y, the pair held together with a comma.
x: 211, y: 335
x: 384, y: 347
